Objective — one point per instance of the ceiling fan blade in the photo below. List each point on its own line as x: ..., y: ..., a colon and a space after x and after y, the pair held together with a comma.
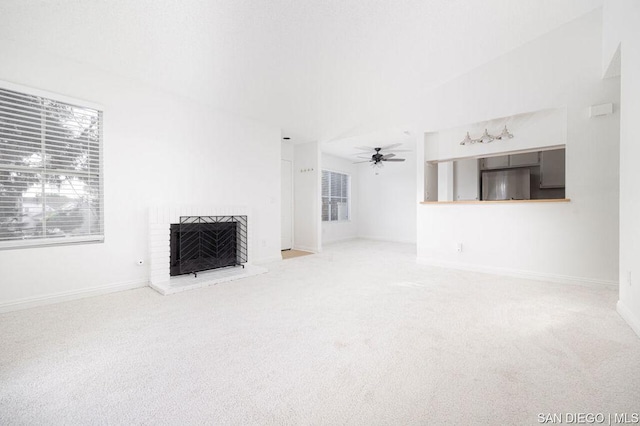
x: 402, y: 150
x: 360, y: 156
x: 358, y: 162
x: 364, y: 148
x: 393, y: 145
x: 393, y: 159
x: 386, y: 156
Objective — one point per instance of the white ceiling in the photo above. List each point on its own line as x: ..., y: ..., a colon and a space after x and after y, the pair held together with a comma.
x: 319, y: 69
x: 349, y: 147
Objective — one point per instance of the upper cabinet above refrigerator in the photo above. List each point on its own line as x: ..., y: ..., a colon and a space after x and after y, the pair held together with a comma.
x: 508, y: 161
x: 525, y: 159
x: 499, y: 162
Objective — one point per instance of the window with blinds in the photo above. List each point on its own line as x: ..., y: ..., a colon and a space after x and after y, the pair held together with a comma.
x: 335, y: 196
x: 50, y: 170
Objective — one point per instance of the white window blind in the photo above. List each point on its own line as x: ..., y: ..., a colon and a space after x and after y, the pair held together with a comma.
x: 50, y: 170
x: 335, y: 196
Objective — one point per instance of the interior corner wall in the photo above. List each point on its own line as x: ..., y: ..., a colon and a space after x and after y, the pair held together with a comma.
x: 159, y: 149
x: 342, y: 230
x: 286, y: 149
x: 621, y: 28
x: 306, y: 197
x: 576, y: 241
x: 387, y: 200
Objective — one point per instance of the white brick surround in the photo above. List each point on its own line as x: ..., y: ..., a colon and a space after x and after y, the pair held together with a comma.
x: 160, y: 219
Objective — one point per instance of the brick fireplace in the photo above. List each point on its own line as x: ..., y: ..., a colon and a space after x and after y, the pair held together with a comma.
x: 160, y: 221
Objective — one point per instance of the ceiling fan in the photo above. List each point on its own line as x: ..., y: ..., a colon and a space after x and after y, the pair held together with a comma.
x: 377, y: 157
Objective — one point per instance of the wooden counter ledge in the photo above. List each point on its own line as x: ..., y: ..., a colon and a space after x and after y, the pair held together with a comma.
x: 555, y: 200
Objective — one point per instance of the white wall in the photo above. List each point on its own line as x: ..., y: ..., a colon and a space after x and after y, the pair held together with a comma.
x: 466, y: 180
x: 159, y: 149
x: 575, y: 241
x: 286, y: 151
x: 306, y: 197
x: 287, y: 185
x: 387, y: 200
x: 445, y: 181
x: 343, y: 230
x: 621, y: 28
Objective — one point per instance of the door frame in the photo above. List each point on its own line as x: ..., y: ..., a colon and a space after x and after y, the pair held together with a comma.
x: 292, y: 210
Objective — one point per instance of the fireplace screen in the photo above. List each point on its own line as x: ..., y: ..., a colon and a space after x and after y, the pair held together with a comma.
x: 200, y: 243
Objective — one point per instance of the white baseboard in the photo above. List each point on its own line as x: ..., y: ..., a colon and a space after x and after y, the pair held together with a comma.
x: 385, y: 239
x: 530, y: 275
x: 629, y: 317
x: 32, y: 302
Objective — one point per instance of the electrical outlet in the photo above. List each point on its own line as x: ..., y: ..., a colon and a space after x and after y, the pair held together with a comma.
x: 264, y: 243
x: 459, y: 247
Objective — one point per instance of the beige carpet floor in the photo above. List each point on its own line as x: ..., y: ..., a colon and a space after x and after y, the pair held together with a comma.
x: 358, y: 334
x: 290, y: 254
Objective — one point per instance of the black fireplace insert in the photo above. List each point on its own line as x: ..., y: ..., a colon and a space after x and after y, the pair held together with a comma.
x: 201, y: 243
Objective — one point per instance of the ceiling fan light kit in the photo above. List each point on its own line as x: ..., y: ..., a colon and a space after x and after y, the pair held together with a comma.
x: 486, y: 137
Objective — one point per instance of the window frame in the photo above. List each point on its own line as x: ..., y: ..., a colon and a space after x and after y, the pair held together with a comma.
x: 348, y: 198
x: 45, y: 241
